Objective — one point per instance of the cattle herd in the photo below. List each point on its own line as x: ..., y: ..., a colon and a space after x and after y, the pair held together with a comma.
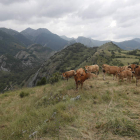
x: 80, y: 75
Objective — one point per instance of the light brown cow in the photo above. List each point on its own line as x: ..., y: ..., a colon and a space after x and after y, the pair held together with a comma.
x: 125, y: 74
x: 110, y: 70
x: 92, y: 68
x: 135, y: 69
x: 80, y: 76
x: 68, y: 74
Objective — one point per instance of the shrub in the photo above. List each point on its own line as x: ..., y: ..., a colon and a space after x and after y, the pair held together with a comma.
x: 42, y: 81
x: 23, y: 94
x: 55, y: 78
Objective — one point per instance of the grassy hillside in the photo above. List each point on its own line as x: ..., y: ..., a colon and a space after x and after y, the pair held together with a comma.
x: 111, y: 54
x: 101, y: 110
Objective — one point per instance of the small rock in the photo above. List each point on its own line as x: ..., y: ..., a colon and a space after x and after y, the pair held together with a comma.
x: 23, y: 131
x: 46, y: 120
x: 78, y: 97
x: 30, y: 136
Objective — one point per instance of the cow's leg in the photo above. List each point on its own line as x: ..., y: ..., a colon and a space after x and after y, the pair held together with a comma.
x: 130, y: 79
x: 104, y: 75
x: 81, y: 85
x: 76, y: 86
x: 116, y: 76
x: 113, y: 76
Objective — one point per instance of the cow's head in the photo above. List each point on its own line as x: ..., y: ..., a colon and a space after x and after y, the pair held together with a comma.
x: 78, y: 77
x: 64, y: 75
x: 86, y: 68
x: 133, y: 67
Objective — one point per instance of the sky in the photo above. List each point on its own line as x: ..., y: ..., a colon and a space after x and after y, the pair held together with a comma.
x: 115, y: 20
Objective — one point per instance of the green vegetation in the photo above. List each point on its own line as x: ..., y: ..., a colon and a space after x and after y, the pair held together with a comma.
x: 23, y: 94
x: 42, y: 82
x: 101, y: 110
x: 78, y: 55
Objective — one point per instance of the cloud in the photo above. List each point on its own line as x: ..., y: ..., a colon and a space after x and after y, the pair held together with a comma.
x: 98, y: 19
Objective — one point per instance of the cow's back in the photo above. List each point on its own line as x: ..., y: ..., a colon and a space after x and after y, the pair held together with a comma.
x: 70, y: 73
x: 80, y: 70
x: 112, y: 69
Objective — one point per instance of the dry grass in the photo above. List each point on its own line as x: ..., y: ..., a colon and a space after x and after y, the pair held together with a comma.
x: 106, y: 110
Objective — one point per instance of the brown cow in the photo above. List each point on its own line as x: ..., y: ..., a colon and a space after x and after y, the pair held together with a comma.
x: 92, y: 68
x: 80, y: 70
x: 80, y: 76
x: 125, y: 74
x: 110, y: 70
x: 135, y: 69
x: 68, y: 74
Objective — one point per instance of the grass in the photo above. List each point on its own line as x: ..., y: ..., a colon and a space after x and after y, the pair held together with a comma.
x: 105, y: 110
x: 125, y: 61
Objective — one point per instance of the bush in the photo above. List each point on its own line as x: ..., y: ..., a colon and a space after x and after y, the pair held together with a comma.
x: 42, y: 81
x: 23, y: 94
x: 55, y: 78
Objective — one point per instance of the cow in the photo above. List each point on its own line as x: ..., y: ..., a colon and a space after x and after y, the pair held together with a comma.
x: 92, y: 68
x: 68, y: 74
x: 80, y: 76
x: 124, y: 74
x: 80, y: 70
x: 135, y: 69
x: 110, y: 70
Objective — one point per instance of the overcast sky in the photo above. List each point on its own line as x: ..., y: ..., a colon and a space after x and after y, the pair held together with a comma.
x: 98, y: 19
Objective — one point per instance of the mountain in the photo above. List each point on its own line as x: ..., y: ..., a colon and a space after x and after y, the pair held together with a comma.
x: 52, y: 41
x: 16, y: 69
x: 90, y: 42
x: 45, y: 38
x: 137, y: 39
x: 66, y: 38
x: 34, y: 55
x: 69, y: 58
x: 128, y: 45
x: 21, y: 38
x: 32, y: 33
x: 9, y: 44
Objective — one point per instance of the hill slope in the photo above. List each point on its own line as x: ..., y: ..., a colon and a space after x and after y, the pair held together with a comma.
x: 102, y: 110
x: 69, y: 58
